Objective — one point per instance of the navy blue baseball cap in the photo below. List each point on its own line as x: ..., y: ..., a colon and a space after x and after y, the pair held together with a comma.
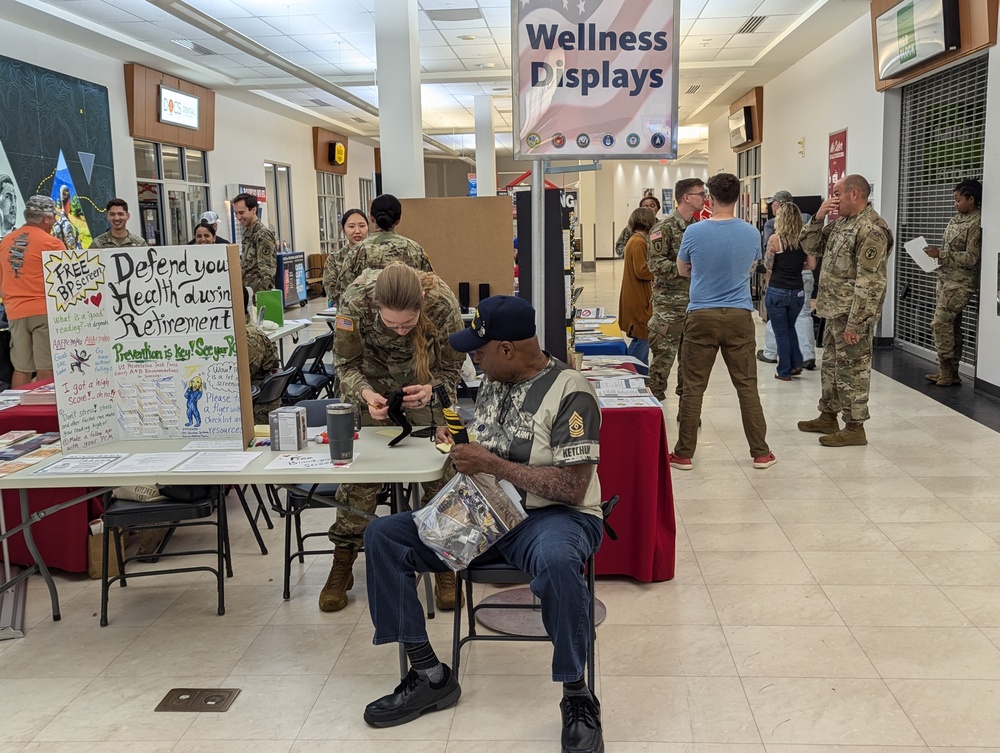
x: 498, y: 318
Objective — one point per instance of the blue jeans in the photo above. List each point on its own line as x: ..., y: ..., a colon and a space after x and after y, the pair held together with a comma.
x: 783, y: 307
x: 803, y: 325
x: 552, y: 545
x: 639, y: 349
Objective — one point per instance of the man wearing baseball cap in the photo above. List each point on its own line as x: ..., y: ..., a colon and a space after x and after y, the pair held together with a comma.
x: 537, y: 425
x: 210, y: 219
x: 23, y: 288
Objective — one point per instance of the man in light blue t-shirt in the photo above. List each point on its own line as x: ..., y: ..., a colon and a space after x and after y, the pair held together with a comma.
x: 718, y: 254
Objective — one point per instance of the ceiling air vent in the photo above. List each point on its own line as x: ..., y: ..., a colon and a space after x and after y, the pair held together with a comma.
x: 455, y: 14
x: 187, y: 44
x: 693, y: 89
x: 753, y: 23
x: 320, y: 103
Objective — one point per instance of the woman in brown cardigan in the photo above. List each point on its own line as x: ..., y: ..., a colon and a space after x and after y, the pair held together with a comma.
x: 635, y: 302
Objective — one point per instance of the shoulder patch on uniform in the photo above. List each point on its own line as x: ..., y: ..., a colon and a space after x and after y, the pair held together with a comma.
x: 345, y: 323
x: 871, y: 253
x: 575, y: 425
x: 655, y: 235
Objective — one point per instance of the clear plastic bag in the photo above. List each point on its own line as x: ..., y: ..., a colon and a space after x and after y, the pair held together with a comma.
x: 468, y: 516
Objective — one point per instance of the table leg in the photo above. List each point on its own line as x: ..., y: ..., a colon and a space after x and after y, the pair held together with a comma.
x: 29, y: 541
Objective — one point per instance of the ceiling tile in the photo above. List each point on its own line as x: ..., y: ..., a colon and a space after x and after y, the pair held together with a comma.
x: 698, y: 55
x: 777, y: 23
x: 280, y: 44
x: 779, y: 7
x: 738, y: 53
x: 98, y: 10
x: 709, y: 26
x: 305, y: 58
x: 321, y: 42
x: 757, y: 39
x: 430, y: 38
x: 222, y: 9
x: 442, y: 66
x: 732, y: 8
x: 297, y: 24
x: 497, y: 18
x: 251, y: 27
x: 437, y: 53
x: 704, y: 42
x: 691, y: 8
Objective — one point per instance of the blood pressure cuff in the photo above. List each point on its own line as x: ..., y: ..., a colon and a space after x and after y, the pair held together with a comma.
x: 398, y: 417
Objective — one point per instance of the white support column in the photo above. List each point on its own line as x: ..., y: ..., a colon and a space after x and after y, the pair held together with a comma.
x: 486, y: 158
x: 604, y: 211
x: 400, y: 126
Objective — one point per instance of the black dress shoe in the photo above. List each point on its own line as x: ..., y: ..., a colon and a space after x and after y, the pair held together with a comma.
x: 581, y: 717
x: 765, y: 359
x: 413, y: 697
x: 809, y: 365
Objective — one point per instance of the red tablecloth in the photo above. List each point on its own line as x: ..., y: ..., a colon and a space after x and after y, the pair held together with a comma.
x: 634, y: 466
x: 62, y: 536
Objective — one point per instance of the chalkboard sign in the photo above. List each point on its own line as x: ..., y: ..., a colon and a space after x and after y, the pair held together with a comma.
x: 148, y: 343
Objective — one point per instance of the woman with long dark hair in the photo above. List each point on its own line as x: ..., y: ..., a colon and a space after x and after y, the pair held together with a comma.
x: 384, y: 245
x: 355, y: 227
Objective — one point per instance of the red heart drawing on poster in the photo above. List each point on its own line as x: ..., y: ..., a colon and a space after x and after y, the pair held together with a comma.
x: 96, y: 299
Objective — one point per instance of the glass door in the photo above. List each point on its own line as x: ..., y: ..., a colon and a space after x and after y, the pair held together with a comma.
x: 179, y: 224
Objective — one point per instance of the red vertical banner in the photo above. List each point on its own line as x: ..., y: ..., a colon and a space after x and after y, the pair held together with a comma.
x: 836, y: 163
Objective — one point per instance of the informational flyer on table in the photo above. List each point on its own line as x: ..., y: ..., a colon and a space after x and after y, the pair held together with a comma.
x: 148, y: 343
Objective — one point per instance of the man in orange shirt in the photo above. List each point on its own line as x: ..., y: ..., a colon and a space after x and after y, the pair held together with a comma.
x: 23, y: 289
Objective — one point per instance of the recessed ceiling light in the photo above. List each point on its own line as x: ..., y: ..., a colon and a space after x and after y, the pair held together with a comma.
x: 500, y: 89
x: 468, y: 37
x: 486, y: 65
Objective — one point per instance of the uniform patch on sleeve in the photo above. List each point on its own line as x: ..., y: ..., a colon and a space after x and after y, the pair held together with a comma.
x: 655, y: 235
x: 575, y: 425
x: 871, y: 257
x: 345, y: 323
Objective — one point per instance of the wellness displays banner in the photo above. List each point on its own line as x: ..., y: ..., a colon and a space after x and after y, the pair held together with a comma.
x: 595, y: 79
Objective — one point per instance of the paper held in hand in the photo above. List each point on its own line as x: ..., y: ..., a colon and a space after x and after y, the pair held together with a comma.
x: 915, y: 249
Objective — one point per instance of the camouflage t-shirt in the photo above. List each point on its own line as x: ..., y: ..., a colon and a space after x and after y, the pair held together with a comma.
x: 551, y: 419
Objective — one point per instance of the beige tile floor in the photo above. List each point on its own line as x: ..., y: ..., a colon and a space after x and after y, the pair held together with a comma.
x: 843, y: 601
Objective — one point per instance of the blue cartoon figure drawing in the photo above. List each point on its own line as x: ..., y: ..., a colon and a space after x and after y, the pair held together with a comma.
x: 193, y: 395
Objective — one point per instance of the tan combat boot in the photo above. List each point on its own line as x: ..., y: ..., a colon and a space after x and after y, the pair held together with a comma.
x: 444, y: 591
x: 948, y: 375
x: 333, y: 597
x: 933, y: 377
x: 851, y: 434
x: 825, y: 424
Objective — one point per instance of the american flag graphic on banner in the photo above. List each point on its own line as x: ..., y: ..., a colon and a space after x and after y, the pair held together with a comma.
x: 595, y: 79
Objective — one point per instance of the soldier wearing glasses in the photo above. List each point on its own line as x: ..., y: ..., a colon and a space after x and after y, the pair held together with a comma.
x: 392, y: 333
x: 670, y: 290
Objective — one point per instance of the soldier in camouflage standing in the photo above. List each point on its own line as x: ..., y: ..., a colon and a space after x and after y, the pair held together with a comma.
x: 258, y: 251
x: 382, y: 247
x: 855, y: 251
x: 354, y: 224
x: 670, y: 290
x: 957, y: 278
x: 392, y: 333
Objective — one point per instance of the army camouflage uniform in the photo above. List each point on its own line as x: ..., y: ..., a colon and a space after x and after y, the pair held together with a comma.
x: 66, y: 231
x: 378, y: 251
x: 957, y: 280
x: 622, y: 241
x: 670, y: 300
x: 855, y: 252
x: 331, y: 275
x: 258, y: 257
x: 367, y: 355
x: 107, y: 240
x: 263, y: 360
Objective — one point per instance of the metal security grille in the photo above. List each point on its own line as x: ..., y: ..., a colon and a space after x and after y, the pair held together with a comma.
x: 943, y: 130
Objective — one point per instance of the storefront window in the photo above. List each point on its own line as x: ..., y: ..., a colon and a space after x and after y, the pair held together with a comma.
x: 278, y: 183
x: 330, y: 193
x: 172, y: 166
x: 170, y: 206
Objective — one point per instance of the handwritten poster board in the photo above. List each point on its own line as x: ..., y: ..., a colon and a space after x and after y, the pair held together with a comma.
x: 148, y: 343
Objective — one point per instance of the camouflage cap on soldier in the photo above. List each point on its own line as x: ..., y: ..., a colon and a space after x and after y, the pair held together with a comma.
x: 40, y: 204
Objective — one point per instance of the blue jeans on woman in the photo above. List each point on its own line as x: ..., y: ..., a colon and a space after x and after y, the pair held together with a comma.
x: 783, y: 307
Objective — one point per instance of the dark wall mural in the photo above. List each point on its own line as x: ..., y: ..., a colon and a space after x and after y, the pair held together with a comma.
x: 55, y: 139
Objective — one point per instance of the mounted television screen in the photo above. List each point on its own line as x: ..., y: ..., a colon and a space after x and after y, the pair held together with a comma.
x: 740, y: 128
x: 913, y: 32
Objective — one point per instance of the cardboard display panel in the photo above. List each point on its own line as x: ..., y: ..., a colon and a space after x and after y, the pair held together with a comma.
x: 148, y: 343
x: 466, y: 239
